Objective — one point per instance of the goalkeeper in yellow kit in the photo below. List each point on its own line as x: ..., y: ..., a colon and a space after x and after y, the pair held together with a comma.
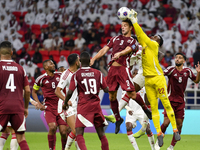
x: 155, y: 82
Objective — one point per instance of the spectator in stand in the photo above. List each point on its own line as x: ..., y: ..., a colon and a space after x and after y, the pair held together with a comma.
x: 22, y: 62
x: 69, y: 44
x: 175, y: 31
x: 97, y: 22
x: 182, y: 22
x: 66, y: 20
x: 40, y: 17
x: 70, y: 29
x: 13, y: 22
x: 25, y: 55
x: 11, y: 5
x: 37, y: 73
x: 48, y: 43
x: 33, y: 7
x: 33, y: 43
x: 193, y: 23
x: 168, y: 43
x: 15, y: 57
x: 67, y: 9
x: 79, y: 41
x: 21, y: 6
x: 41, y: 4
x: 28, y: 35
x: 83, y: 16
x: 3, y: 21
x: 109, y: 10
x: 149, y: 23
x: 135, y: 5
x: 161, y: 10
x: 50, y: 17
x: 51, y: 57
x: 95, y: 48
x: 5, y: 30
x: 31, y: 68
x: 46, y: 33
x: 196, y: 56
x: 168, y: 57
x: 87, y: 24
x: 13, y: 32
x: 142, y: 16
x: 103, y: 66
x: 162, y: 23
x: 92, y: 15
x: 46, y: 8
x: 85, y: 48
x: 54, y: 4
x: 185, y: 49
x: 114, y: 20
x: 193, y: 8
x: 183, y: 8
x: 191, y: 42
x: 173, y: 48
x: 57, y: 43
x: 63, y: 62
x: 197, y: 35
x: 3, y: 7
x: 55, y: 32
x: 17, y: 44
x: 152, y: 6
x: 31, y: 80
x: 171, y: 11
x: 104, y: 18
x: 29, y: 17
x: 155, y: 29
x: 110, y: 32
x: 22, y: 26
x: 56, y: 22
x: 37, y: 57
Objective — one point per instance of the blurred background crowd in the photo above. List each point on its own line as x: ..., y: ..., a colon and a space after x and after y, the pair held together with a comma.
x: 53, y: 29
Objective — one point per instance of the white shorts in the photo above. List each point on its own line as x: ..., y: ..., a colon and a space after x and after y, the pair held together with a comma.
x: 140, y: 117
x: 9, y: 124
x: 139, y: 79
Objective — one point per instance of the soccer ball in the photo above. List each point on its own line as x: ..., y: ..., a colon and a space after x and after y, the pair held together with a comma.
x: 123, y: 13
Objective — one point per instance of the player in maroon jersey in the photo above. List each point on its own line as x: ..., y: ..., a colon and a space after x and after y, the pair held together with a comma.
x: 119, y: 72
x: 178, y: 76
x: 88, y: 82
x: 48, y: 82
x: 13, y: 82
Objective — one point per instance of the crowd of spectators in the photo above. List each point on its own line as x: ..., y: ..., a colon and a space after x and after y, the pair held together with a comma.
x: 43, y: 29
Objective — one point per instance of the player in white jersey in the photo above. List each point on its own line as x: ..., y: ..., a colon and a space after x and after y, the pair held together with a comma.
x: 134, y: 113
x: 61, y: 90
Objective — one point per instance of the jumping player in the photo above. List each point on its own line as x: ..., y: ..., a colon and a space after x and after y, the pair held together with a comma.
x: 48, y: 83
x: 88, y: 82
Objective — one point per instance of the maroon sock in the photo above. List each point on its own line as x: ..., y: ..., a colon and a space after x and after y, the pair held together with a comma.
x: 140, y: 101
x: 114, y: 106
x: 51, y: 141
x: 23, y: 145
x: 81, y: 142
x: 163, y: 128
x: 104, y: 143
x: 63, y: 141
x: 173, y: 143
x: 54, y: 142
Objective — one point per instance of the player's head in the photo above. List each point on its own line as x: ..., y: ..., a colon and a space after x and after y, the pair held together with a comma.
x: 85, y: 59
x: 126, y: 27
x: 180, y: 59
x: 6, y: 49
x: 73, y: 59
x: 61, y: 69
x: 158, y: 39
x: 48, y: 65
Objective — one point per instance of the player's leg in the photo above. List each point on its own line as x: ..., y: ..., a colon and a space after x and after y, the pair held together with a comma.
x: 144, y: 122
x: 79, y: 138
x: 150, y: 137
x: 71, y: 122
x: 4, y: 137
x: 129, y: 127
x: 102, y: 137
x: 52, y: 134
x: 22, y: 141
x: 13, y: 143
x: 63, y: 134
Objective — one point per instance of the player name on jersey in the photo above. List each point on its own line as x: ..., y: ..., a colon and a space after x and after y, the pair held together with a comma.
x: 88, y: 74
x: 10, y: 68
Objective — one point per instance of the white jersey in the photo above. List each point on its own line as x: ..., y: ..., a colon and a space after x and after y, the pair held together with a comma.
x: 137, y: 58
x: 64, y: 84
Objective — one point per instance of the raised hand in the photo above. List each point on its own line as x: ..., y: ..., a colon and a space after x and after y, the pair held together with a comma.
x: 197, y: 67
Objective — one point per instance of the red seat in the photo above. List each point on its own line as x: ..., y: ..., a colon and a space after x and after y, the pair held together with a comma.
x: 43, y: 71
x: 40, y: 65
x: 44, y: 53
x: 106, y: 27
x: 105, y: 40
x: 24, y: 13
x: 166, y: 6
x: 117, y: 28
x: 35, y: 27
x: 76, y: 52
x: 44, y: 26
x: 148, y: 32
x: 191, y: 60
x: 56, y: 58
x: 182, y: 32
x: 189, y: 32
x: 26, y: 46
x: 170, y: 25
x: 102, y: 45
x: 17, y: 13
x: 54, y: 53
x: 21, y: 32
x: 90, y: 46
x: 184, y: 39
x: 65, y: 53
x: 31, y: 53
x: 19, y: 52
x: 65, y: 39
x: 104, y: 6
x: 45, y: 58
x: 168, y: 20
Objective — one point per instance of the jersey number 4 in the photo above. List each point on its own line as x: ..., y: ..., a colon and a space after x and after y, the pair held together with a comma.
x: 91, y: 88
x: 10, y: 83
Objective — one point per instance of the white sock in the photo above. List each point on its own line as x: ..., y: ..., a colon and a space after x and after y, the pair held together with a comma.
x: 70, y: 140
x: 145, y: 123
x: 122, y: 104
x: 13, y: 143
x: 151, y: 141
x: 76, y: 145
x: 2, y: 142
x: 132, y: 140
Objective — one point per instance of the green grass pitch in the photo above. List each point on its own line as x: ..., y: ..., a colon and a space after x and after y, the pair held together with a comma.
x: 38, y: 141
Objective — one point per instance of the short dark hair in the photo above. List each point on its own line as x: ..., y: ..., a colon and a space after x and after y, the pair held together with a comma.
x: 85, y: 58
x: 72, y: 58
x: 161, y: 41
x: 181, y: 54
x: 5, y: 47
x: 45, y: 62
x: 128, y: 21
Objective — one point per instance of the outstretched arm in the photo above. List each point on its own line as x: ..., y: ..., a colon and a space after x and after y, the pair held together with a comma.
x: 126, y: 51
x: 198, y: 73
x: 69, y: 95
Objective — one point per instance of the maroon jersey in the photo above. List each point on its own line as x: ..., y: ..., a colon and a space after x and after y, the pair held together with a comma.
x: 48, y: 85
x: 178, y: 82
x: 13, y: 80
x: 88, y: 82
x: 119, y: 43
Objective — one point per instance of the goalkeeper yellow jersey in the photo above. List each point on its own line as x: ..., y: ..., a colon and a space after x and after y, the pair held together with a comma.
x: 150, y: 48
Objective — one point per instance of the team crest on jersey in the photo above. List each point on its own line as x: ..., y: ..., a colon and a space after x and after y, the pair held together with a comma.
x: 175, y: 75
x: 58, y: 79
x: 185, y: 74
x: 129, y: 41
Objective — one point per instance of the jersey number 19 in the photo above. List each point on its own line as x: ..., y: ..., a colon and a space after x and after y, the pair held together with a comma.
x: 92, y: 87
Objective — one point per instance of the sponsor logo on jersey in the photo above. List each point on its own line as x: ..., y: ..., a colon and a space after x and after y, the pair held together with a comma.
x: 175, y: 75
x: 117, y: 39
x: 46, y: 82
x: 129, y: 41
x: 185, y: 74
x: 58, y: 79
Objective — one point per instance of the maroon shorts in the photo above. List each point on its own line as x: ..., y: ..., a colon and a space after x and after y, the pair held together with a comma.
x: 97, y: 119
x: 119, y: 75
x: 17, y: 122
x: 179, y: 110
x: 53, y: 116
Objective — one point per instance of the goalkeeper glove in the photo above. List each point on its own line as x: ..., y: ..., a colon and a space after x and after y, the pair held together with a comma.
x: 132, y: 16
